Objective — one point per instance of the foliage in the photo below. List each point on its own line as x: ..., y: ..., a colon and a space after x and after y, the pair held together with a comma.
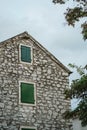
x: 78, y: 90
x: 73, y: 15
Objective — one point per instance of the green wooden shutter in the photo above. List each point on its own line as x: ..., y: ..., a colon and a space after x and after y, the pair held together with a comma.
x: 27, y: 93
x: 25, y: 54
x: 28, y: 54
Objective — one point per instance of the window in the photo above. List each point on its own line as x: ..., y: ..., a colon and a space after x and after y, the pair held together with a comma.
x: 25, y: 54
x: 27, y: 93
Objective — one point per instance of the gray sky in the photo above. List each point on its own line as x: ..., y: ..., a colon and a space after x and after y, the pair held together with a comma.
x: 45, y: 22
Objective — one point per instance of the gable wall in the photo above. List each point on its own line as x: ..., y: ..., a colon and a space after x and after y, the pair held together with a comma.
x: 50, y: 80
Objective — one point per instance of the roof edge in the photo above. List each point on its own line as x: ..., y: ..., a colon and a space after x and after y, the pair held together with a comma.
x: 51, y: 55
x: 25, y: 35
x: 18, y: 35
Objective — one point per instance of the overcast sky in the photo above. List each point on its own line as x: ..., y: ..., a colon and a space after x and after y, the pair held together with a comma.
x: 45, y: 22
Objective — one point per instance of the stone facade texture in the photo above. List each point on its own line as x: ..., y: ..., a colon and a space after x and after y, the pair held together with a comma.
x: 50, y: 80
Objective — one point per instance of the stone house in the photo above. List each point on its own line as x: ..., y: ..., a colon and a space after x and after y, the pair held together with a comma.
x: 32, y: 84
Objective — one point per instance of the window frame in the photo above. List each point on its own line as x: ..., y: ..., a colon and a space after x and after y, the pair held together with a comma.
x: 28, y: 127
x: 28, y: 82
x: 20, y: 54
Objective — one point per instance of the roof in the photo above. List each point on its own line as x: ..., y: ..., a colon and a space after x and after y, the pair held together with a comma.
x: 25, y: 35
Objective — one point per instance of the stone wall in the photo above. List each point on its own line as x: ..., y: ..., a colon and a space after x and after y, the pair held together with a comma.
x: 50, y: 80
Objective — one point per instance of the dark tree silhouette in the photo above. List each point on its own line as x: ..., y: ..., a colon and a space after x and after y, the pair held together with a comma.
x: 78, y: 90
x: 73, y: 15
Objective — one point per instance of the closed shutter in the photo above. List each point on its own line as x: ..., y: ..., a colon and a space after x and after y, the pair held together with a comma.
x: 27, y: 93
x: 25, y: 54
